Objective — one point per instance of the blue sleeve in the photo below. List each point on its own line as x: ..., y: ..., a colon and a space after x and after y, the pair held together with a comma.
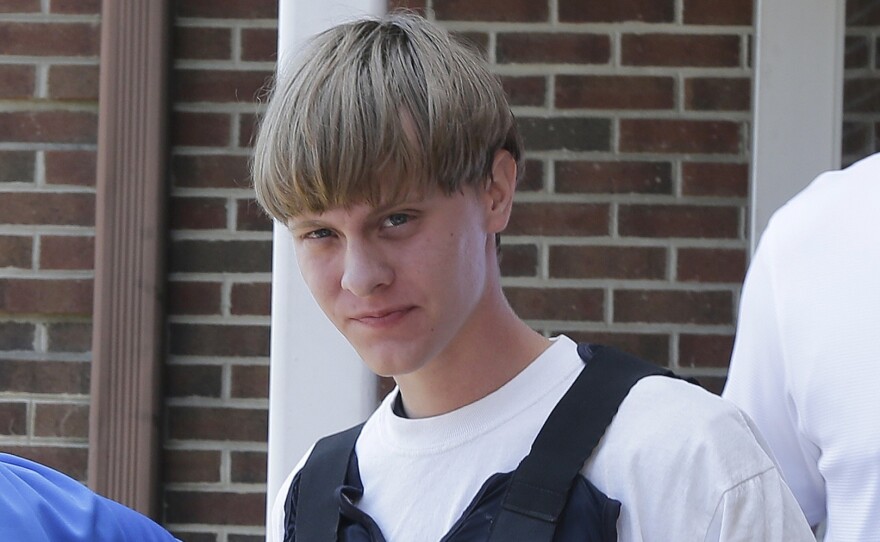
x: 38, y: 504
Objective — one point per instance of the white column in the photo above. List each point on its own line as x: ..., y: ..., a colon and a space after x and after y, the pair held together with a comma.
x: 318, y: 384
x: 797, y: 100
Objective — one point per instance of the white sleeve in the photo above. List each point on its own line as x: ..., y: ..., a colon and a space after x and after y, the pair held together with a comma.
x: 276, y: 514
x: 760, y: 509
x: 757, y: 384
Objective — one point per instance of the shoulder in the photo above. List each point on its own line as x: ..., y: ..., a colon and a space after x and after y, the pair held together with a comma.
x: 674, y: 435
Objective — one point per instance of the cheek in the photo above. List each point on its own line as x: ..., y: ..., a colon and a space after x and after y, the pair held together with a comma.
x: 318, y: 274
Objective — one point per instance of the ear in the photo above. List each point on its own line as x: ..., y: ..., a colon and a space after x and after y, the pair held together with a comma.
x: 500, y: 188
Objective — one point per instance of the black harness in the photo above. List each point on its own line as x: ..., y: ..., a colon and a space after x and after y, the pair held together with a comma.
x: 538, y: 491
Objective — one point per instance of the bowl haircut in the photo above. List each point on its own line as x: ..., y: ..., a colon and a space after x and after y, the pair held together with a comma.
x: 377, y: 110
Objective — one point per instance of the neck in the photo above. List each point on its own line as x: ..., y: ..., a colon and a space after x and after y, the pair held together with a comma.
x: 494, y: 347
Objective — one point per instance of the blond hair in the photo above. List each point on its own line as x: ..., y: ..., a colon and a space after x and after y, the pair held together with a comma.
x: 377, y: 109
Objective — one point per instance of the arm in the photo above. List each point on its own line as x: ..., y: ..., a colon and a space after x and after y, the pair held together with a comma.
x: 758, y: 383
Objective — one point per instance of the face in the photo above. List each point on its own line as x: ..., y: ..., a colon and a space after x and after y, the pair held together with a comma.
x: 400, y: 281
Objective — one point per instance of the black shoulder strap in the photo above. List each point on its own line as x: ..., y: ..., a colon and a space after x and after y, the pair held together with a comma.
x: 317, y: 517
x: 539, y: 490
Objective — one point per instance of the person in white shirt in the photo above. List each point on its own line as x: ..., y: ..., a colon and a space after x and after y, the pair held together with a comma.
x: 804, y: 364
x: 392, y: 156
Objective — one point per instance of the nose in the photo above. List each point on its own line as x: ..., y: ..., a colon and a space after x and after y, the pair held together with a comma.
x: 365, y: 270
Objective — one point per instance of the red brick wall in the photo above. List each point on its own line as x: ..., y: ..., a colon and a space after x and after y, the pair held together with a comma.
x: 861, y: 99
x: 219, y: 275
x: 48, y: 132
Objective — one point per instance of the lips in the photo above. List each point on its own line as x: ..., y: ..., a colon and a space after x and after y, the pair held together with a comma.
x: 382, y: 317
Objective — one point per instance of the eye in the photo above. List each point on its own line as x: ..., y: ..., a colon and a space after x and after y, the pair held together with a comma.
x: 321, y: 233
x: 396, y: 219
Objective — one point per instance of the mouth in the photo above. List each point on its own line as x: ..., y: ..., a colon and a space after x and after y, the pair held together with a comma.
x: 383, y: 317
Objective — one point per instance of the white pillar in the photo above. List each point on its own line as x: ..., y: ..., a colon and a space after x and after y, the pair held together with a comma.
x: 318, y: 384
x: 797, y: 100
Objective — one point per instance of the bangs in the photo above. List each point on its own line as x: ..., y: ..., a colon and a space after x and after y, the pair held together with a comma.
x: 375, y: 112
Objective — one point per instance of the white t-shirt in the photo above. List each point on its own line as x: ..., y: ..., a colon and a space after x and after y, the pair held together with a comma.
x: 805, y: 365
x: 684, y: 463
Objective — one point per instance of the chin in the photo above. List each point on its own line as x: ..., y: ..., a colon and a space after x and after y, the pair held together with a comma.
x: 391, y: 362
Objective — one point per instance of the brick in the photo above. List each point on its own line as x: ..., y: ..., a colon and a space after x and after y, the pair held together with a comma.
x: 563, y: 133
x: 217, y: 340
x: 715, y: 179
x: 193, y: 297
x: 193, y: 381
x: 34, y: 296
x: 49, y: 127
x: 190, y: 536
x: 673, y: 307
x: 49, y: 39
x: 20, y: 6
x: 703, y: 51
x: 589, y: 177
x: 221, y: 256
x: 67, y: 459
x: 188, y: 213
x: 614, y: 92
x: 228, y: 9
x: 590, y: 262
x: 650, y: 346
x: 856, y: 139
x: 729, y: 12
x: 16, y: 167
x: 557, y: 303
x: 682, y: 136
x: 61, y: 420
x: 15, y: 251
x: 247, y: 128
x: 552, y: 48
x: 67, y: 252
x: 73, y: 83
x: 855, y: 52
x: 207, y: 423
x: 44, y: 377
x: 190, y: 466
x: 215, y: 508
x: 529, y: 90
x: 200, y: 129
x: 70, y: 337
x: 860, y: 96
x: 704, y: 350
x: 492, y: 10
x: 16, y: 336
x: 30, y: 208
x: 218, y: 86
x: 248, y: 467
x: 562, y: 219
x: 13, y: 418
x: 202, y: 43
x: 244, y: 538
x: 532, y: 179
x: 17, y: 81
x: 718, y: 94
x: 519, y: 260
x: 250, y: 217
x: 210, y: 171
x: 250, y: 381
x: 862, y: 13
x: 711, y: 265
x: 79, y: 7
x: 259, y: 44
x: 251, y: 299
x: 691, y: 221
x: 71, y: 167
x: 602, y: 11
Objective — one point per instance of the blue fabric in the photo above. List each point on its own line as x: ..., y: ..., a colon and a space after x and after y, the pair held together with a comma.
x: 38, y: 504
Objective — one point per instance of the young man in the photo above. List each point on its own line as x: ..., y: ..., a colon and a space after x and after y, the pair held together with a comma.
x: 392, y: 155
